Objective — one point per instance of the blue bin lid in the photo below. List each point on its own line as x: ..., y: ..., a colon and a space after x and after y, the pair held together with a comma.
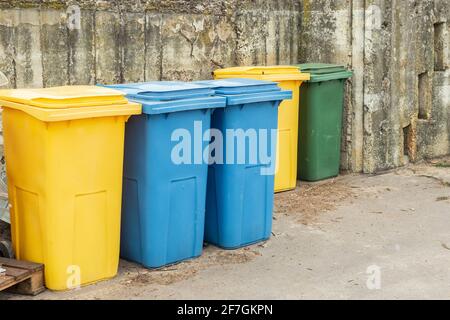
x: 239, y: 86
x: 241, y: 90
x: 170, y: 96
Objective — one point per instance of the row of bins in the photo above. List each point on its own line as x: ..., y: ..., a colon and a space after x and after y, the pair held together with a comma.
x: 167, y: 208
x: 309, y: 141
x: 70, y: 156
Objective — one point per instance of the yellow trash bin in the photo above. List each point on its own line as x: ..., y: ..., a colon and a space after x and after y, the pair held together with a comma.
x: 64, y: 154
x: 289, y: 78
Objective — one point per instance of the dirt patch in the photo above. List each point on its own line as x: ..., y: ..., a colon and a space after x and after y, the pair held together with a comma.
x: 435, y: 169
x: 440, y: 162
x: 163, y: 277
x: 211, y: 257
x: 222, y: 257
x: 310, y: 199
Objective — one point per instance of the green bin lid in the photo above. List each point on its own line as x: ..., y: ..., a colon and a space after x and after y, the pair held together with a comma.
x: 324, y: 71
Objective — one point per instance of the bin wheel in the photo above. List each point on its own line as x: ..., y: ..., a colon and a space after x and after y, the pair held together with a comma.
x: 6, y: 250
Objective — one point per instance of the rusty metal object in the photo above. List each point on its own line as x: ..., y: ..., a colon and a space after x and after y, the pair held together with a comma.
x: 6, y: 250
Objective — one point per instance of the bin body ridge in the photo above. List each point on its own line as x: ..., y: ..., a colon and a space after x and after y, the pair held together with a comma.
x: 288, y: 126
x: 288, y: 78
x: 165, y: 175
x: 61, y: 190
x: 163, y: 203
x: 64, y: 184
x: 320, y: 121
x: 240, y: 199
x: 239, y: 202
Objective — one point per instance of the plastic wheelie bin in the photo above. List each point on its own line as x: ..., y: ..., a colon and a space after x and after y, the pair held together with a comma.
x: 240, y: 188
x: 289, y: 78
x: 165, y: 173
x: 64, y: 156
x: 321, y: 121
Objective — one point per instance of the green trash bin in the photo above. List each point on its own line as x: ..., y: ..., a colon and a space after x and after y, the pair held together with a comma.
x: 320, y: 121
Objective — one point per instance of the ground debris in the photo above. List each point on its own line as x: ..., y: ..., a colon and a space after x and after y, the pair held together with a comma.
x: 438, y: 179
x: 211, y: 256
x: 310, y: 199
x: 443, y: 162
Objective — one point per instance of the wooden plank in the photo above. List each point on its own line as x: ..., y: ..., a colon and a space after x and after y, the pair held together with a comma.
x: 18, y: 274
x: 20, y: 264
x: 32, y: 286
x: 22, y: 277
x: 6, y: 282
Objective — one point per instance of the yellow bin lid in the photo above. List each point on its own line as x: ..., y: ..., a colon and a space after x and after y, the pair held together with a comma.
x: 270, y: 73
x: 65, y: 97
x: 69, y: 102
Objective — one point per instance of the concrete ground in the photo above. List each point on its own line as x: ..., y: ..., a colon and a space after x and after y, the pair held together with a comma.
x: 355, y: 237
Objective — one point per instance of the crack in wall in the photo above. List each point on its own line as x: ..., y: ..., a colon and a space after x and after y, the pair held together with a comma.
x: 387, y: 43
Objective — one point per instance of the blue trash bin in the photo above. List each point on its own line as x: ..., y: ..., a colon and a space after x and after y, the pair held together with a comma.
x: 240, y: 193
x: 163, y: 205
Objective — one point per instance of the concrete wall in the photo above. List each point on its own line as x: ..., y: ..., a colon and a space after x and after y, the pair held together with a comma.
x: 397, y: 104
x: 116, y: 41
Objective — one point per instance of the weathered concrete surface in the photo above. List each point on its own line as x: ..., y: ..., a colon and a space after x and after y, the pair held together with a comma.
x: 397, y: 103
x: 115, y: 41
x: 396, y: 221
